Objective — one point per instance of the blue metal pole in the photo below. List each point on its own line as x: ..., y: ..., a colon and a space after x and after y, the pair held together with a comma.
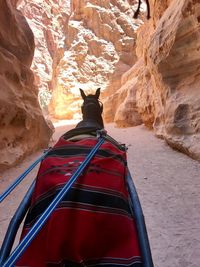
x: 43, y: 218
x: 14, y: 224
x: 140, y: 223
x: 21, y: 177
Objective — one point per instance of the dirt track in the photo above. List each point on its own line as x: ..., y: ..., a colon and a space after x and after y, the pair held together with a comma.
x: 168, y: 184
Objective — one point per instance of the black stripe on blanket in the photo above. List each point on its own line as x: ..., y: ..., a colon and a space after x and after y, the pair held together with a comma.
x: 82, y: 199
x: 106, y: 262
x: 69, y: 168
x: 69, y: 151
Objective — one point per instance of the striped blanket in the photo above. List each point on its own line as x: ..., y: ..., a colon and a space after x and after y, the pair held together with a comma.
x: 93, y: 225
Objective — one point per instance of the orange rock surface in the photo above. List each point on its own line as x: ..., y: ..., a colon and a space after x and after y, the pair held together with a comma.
x: 168, y: 95
x: 22, y: 126
x: 150, y: 75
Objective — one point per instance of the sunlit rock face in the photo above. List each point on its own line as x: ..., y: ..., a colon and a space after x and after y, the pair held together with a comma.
x: 168, y: 94
x: 126, y: 114
x: 86, y: 44
x: 100, y: 47
x: 22, y: 126
x: 48, y: 20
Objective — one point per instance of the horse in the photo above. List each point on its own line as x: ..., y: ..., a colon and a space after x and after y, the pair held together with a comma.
x: 92, y: 109
x: 94, y: 223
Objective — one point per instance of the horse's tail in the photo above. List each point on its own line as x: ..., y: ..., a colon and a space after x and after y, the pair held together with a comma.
x: 137, y: 12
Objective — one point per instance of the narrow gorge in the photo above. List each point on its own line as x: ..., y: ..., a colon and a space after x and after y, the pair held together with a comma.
x: 148, y: 69
x: 147, y: 63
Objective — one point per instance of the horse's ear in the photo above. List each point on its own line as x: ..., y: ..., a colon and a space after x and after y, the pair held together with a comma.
x: 98, y: 93
x: 82, y: 94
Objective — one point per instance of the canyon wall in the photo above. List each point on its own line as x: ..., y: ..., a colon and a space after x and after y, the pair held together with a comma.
x: 83, y: 44
x: 148, y: 76
x: 168, y: 81
x: 100, y: 47
x: 48, y: 20
x: 22, y: 126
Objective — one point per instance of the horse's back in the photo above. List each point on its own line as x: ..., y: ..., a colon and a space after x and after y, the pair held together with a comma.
x: 93, y: 225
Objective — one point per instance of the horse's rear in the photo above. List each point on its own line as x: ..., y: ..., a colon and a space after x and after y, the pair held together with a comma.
x: 94, y: 224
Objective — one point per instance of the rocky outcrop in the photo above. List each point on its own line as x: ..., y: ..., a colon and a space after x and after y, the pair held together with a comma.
x: 96, y: 47
x: 166, y: 84
x: 100, y: 48
x: 23, y: 128
x: 168, y: 97
x: 85, y: 44
x: 48, y: 20
x: 123, y: 108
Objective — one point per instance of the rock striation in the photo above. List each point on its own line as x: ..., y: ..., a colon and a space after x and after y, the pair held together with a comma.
x: 100, y: 47
x: 125, y: 111
x: 22, y: 126
x: 168, y: 83
x: 166, y: 78
x: 86, y: 44
x: 48, y: 20
x: 148, y: 76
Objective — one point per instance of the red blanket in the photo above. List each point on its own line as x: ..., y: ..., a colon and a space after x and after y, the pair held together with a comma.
x: 93, y: 225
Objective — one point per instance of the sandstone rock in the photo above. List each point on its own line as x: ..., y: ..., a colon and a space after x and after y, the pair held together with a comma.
x: 48, y: 20
x: 168, y: 97
x: 115, y: 96
x: 95, y: 46
x: 123, y: 109
x: 85, y: 44
x: 100, y: 48
x: 127, y: 114
x: 22, y: 126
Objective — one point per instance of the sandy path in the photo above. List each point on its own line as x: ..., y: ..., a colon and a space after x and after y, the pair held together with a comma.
x: 168, y: 184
